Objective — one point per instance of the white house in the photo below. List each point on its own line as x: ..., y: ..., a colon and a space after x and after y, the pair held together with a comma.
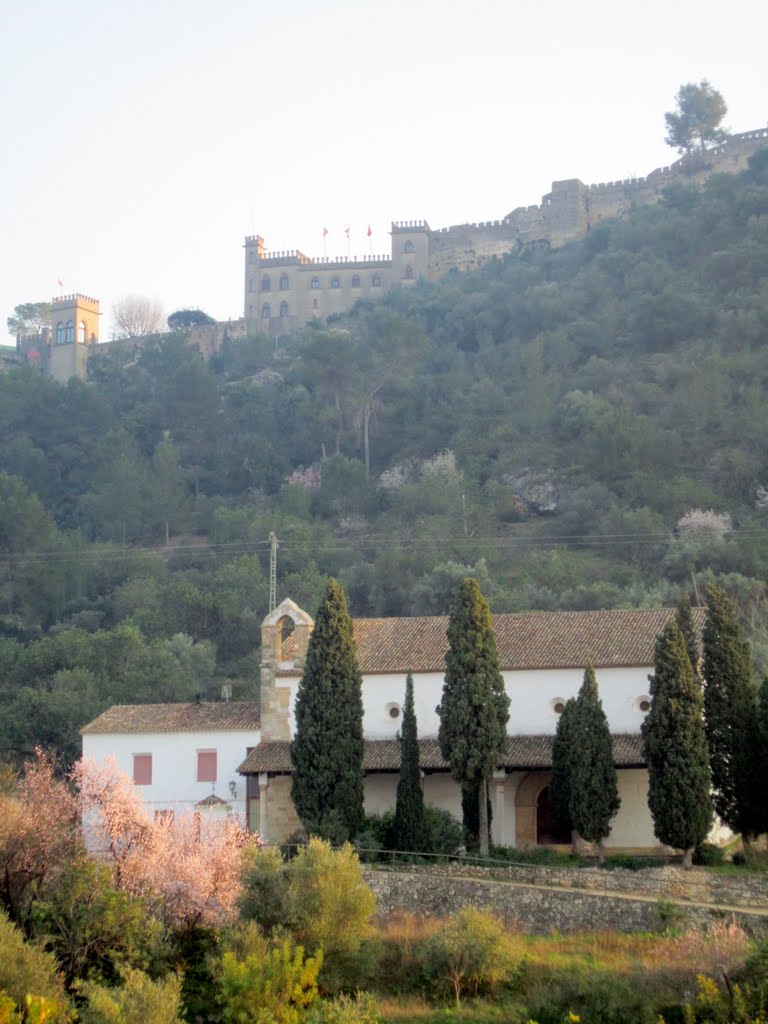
x: 542, y: 657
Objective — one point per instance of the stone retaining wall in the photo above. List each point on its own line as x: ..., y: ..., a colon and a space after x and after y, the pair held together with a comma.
x: 567, y: 908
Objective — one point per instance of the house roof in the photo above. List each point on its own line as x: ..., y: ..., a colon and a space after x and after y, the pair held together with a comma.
x: 531, y: 640
x: 521, y: 752
x: 223, y: 716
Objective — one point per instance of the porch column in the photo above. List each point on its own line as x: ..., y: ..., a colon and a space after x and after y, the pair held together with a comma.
x: 498, y: 828
x: 263, y: 801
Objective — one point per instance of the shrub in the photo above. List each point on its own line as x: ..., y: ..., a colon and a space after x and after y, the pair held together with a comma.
x: 628, y: 862
x: 442, y: 832
x: 708, y: 855
x: 471, y: 950
x: 361, y: 1008
x: 266, y: 981
x: 26, y: 969
x: 720, y: 947
x: 265, y: 888
x: 537, y: 855
x: 139, y: 998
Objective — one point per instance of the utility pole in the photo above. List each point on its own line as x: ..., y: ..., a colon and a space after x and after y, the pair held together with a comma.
x: 272, y: 571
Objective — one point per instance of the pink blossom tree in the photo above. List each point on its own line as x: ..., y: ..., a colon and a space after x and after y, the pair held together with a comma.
x: 189, y: 865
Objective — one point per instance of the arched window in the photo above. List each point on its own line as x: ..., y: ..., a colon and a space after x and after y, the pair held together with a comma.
x: 315, y: 282
x: 376, y: 282
x: 409, y: 272
x: 335, y: 282
x: 408, y: 246
x: 70, y: 331
x: 60, y: 336
x: 82, y: 332
x: 266, y: 312
x: 284, y: 283
x: 283, y: 309
x: 315, y: 304
x: 266, y: 284
x: 356, y: 281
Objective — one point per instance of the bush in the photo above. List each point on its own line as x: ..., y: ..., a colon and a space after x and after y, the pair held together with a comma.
x: 708, y: 855
x: 25, y: 969
x: 443, y: 834
x: 362, y: 1008
x: 541, y: 855
x: 139, y: 998
x: 471, y: 950
x: 628, y: 862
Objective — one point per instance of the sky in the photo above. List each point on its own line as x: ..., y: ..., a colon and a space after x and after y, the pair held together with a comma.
x: 144, y: 141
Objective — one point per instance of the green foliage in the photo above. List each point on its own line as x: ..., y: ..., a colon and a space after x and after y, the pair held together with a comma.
x: 474, y: 707
x: 360, y: 1008
x: 675, y: 747
x: 138, y: 998
x: 320, y: 897
x: 327, y: 748
x: 442, y: 833
x: 183, y: 319
x: 562, y: 755
x: 696, y: 122
x: 470, y: 951
x: 708, y: 855
x: 408, y: 825
x: 594, y: 797
x: 684, y: 619
x: 266, y: 981
x: 29, y: 318
x: 730, y: 716
x: 27, y: 969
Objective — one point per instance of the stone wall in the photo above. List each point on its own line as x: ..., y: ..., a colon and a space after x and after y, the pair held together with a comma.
x: 565, y: 907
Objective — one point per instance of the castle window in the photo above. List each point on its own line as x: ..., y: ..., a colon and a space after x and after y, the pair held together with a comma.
x: 60, y: 336
x: 315, y: 282
x: 335, y: 283
x: 284, y: 283
x: 70, y: 331
x: 356, y: 281
x: 314, y: 304
x: 266, y: 312
x: 376, y: 282
x: 283, y: 309
x: 409, y: 272
x: 408, y: 246
x: 82, y: 332
x: 266, y: 284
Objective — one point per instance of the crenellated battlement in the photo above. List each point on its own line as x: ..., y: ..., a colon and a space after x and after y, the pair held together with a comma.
x: 75, y: 298
x: 409, y: 225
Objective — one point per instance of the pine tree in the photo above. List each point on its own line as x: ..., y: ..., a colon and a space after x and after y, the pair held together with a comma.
x: 327, y: 749
x: 594, y: 792
x: 408, y: 826
x: 684, y: 619
x: 560, y: 784
x: 474, y: 708
x: 730, y: 716
x: 675, y: 748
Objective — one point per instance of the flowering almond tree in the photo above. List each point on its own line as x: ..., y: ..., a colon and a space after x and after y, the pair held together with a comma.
x: 189, y: 863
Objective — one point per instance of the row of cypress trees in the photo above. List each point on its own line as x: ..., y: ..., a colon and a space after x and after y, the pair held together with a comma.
x: 706, y: 746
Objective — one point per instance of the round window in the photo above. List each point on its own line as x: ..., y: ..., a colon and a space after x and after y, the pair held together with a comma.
x: 558, y: 705
x: 643, y: 704
x: 393, y: 710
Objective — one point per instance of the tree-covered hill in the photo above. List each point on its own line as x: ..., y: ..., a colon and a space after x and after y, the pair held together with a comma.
x: 577, y: 428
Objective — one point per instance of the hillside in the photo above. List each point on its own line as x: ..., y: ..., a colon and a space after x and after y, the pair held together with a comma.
x: 578, y: 428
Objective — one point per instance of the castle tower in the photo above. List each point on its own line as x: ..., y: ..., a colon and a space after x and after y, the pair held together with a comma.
x: 254, y: 254
x: 74, y: 320
x: 410, y: 250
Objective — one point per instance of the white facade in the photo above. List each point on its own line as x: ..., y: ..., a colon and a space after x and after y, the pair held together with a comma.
x: 174, y: 755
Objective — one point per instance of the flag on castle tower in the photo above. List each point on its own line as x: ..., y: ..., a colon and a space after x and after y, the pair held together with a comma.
x: 369, y: 231
x: 325, y: 232
x: 61, y: 283
x: 346, y: 231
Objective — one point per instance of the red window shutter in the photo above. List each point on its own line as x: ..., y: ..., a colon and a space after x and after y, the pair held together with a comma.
x: 206, y: 766
x: 142, y: 769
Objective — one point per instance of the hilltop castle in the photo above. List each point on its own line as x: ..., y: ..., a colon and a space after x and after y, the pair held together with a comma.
x: 283, y: 290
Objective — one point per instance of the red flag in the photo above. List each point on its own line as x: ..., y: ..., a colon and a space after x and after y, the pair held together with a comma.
x: 369, y: 231
x: 61, y: 283
x: 325, y: 232
x: 346, y: 231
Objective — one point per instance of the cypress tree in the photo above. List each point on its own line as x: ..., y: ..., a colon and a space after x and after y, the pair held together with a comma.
x: 675, y: 748
x: 474, y: 708
x: 327, y: 749
x: 684, y: 619
x: 761, y: 760
x: 560, y: 784
x: 408, y: 826
x: 594, y: 792
x: 470, y: 815
x: 730, y: 716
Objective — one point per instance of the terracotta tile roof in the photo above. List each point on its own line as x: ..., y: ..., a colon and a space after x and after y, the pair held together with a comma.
x: 212, y: 801
x: 384, y: 755
x: 530, y: 640
x: 211, y: 717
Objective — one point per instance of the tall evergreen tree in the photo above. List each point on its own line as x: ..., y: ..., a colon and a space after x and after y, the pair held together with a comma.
x: 327, y: 749
x: 560, y: 785
x: 730, y: 715
x: 684, y: 619
x: 761, y: 759
x: 675, y: 748
x: 408, y: 826
x: 475, y: 707
x: 594, y: 791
